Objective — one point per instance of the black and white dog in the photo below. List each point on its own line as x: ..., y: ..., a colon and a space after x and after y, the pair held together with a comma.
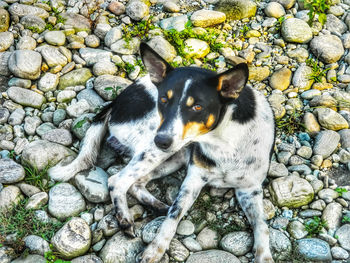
x: 222, y: 130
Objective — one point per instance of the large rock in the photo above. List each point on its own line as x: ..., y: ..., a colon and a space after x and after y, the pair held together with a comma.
x: 48, y: 82
x: 236, y: 9
x: 291, y: 191
x: 76, y: 77
x: 176, y: 22
x: 205, y: 18
x: 41, y: 154
x: 93, y: 185
x: 37, y: 244
x: 345, y: 138
x: 20, y: 10
x: 4, y: 20
x: 65, y: 201
x: 238, y: 243
x: 30, y: 259
x: 91, y: 258
x: 103, y: 84
x: 313, y: 249
x: 163, y: 48
x: 33, y: 22
x: 78, y: 22
x: 331, y: 120
x: 25, y: 64
x: 73, y: 239
x: 9, y: 196
x: 327, y: 48
x: 280, y: 79
x: 332, y: 214
x: 258, y: 73
x: 26, y: 97
x: 56, y: 38
x: 343, y: 234
x: 121, y: 249
x: 10, y: 171
x: 61, y: 136
x: 325, y: 143
x: 212, y: 256
x: 296, y: 30
x: 335, y: 25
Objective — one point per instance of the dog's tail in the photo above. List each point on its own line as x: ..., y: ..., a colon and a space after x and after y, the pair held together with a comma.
x: 89, y: 149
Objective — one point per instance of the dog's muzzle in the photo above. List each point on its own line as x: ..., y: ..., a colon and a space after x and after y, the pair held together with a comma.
x: 163, y: 141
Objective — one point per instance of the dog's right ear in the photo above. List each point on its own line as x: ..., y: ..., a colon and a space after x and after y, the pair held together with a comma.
x: 156, y: 66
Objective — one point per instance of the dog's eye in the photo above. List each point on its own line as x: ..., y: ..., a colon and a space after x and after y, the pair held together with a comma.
x: 197, y: 107
x: 163, y: 99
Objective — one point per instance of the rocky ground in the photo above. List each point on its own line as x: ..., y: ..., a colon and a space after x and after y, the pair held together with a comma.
x: 61, y: 61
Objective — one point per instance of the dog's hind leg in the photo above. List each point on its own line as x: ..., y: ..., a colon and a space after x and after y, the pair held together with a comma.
x: 251, y: 201
x: 87, y: 155
x: 139, y: 191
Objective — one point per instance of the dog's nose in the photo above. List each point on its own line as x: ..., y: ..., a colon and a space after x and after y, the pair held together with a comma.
x: 163, y: 141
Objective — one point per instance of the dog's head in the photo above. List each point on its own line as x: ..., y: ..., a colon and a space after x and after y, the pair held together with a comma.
x: 190, y: 99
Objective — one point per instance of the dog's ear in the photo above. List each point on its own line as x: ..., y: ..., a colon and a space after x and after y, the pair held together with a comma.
x: 231, y: 82
x: 156, y: 66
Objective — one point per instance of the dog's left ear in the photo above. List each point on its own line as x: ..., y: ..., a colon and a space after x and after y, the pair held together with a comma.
x: 231, y: 82
x: 156, y: 66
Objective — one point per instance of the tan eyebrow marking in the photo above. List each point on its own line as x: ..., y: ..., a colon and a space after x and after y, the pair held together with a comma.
x: 170, y: 94
x: 210, y: 121
x: 190, y: 101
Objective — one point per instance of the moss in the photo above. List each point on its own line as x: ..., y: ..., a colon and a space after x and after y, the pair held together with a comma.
x: 236, y: 9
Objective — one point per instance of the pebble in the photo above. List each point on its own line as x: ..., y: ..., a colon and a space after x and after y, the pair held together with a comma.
x: 280, y: 245
x: 37, y: 201
x: 277, y: 170
x: 116, y: 8
x: 208, y: 238
x: 281, y: 78
x: 331, y: 120
x: 10, y: 171
x: 274, y: 9
x: 36, y: 245
x: 56, y: 38
x: 196, y: 48
x: 327, y: 48
x: 137, y: 9
x: 301, y: 78
x: 339, y: 253
x: 65, y: 201
x: 73, y: 239
x: 185, y: 228
x: 313, y: 249
x: 206, y: 18
x: 297, y: 230
x: 25, y: 64
x: 109, y: 225
x: 177, y: 250
x: 104, y: 68
x: 75, y: 77
x: 213, y: 255
x: 150, y: 230
x: 296, y: 30
x: 343, y: 234
x: 192, y: 244
x: 60, y: 136
x: 93, y: 185
x: 325, y: 143
x: 238, y: 243
x: 6, y: 40
x: 163, y: 48
x: 130, y: 48
x: 9, y: 196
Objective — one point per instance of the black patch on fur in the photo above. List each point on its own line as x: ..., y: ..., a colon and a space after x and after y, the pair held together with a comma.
x: 117, y: 146
x: 100, y: 117
x: 200, y: 156
x: 250, y: 160
x: 175, y: 210
x: 132, y: 104
x: 256, y: 192
x: 142, y: 156
x: 246, y: 104
x: 110, y: 188
x: 255, y: 142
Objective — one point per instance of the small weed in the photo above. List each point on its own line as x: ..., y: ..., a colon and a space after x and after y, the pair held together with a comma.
x: 317, y: 72
x: 224, y: 226
x: 12, y: 155
x: 314, y: 226
x: 279, y: 22
x: 60, y: 19
x: 346, y: 219
x: 114, y: 90
x: 340, y: 190
x: 52, y: 257
x: 289, y: 124
x: 37, y: 178
x: 22, y: 222
x: 34, y: 29
x: 317, y: 7
x: 244, y: 30
x: 49, y: 27
x: 140, y: 30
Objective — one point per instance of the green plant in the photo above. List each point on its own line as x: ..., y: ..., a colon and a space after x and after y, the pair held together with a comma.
x: 317, y: 72
x: 22, y: 222
x: 12, y: 155
x: 140, y: 30
x: 340, y: 190
x: 291, y: 123
x: 223, y: 226
x: 37, y: 178
x: 278, y: 24
x: 34, y: 29
x: 52, y: 257
x: 314, y: 226
x: 114, y: 90
x: 346, y: 219
x: 317, y: 7
x: 244, y: 30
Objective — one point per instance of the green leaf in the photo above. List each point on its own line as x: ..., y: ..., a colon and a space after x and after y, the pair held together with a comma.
x: 322, y: 18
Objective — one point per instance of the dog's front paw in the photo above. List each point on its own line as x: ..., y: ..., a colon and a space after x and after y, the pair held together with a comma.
x: 60, y: 173
x: 263, y: 256
x: 152, y: 254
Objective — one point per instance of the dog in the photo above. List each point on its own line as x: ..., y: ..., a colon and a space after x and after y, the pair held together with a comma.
x: 220, y: 128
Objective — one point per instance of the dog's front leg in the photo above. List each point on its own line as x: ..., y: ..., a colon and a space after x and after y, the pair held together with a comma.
x: 251, y: 201
x: 118, y: 184
x: 189, y: 191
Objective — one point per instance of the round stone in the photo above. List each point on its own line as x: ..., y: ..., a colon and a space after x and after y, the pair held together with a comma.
x: 104, y: 68
x: 56, y: 38
x: 238, y: 243
x: 313, y: 249
x: 328, y: 48
x: 163, y: 48
x: 73, y: 239
x: 208, y: 238
x: 10, y: 195
x: 343, y: 234
x: 195, y: 48
x: 205, y: 18
x: 212, y: 256
x: 37, y: 245
x: 10, y: 171
x: 185, y: 228
x: 281, y: 78
x: 149, y: 232
x: 6, y: 40
x: 274, y: 9
x: 296, y: 30
x: 92, y: 41
x: 325, y: 143
x: 137, y: 9
x: 61, y: 136
x: 26, y: 42
x: 65, y: 201
x: 25, y: 64
x: 301, y: 77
